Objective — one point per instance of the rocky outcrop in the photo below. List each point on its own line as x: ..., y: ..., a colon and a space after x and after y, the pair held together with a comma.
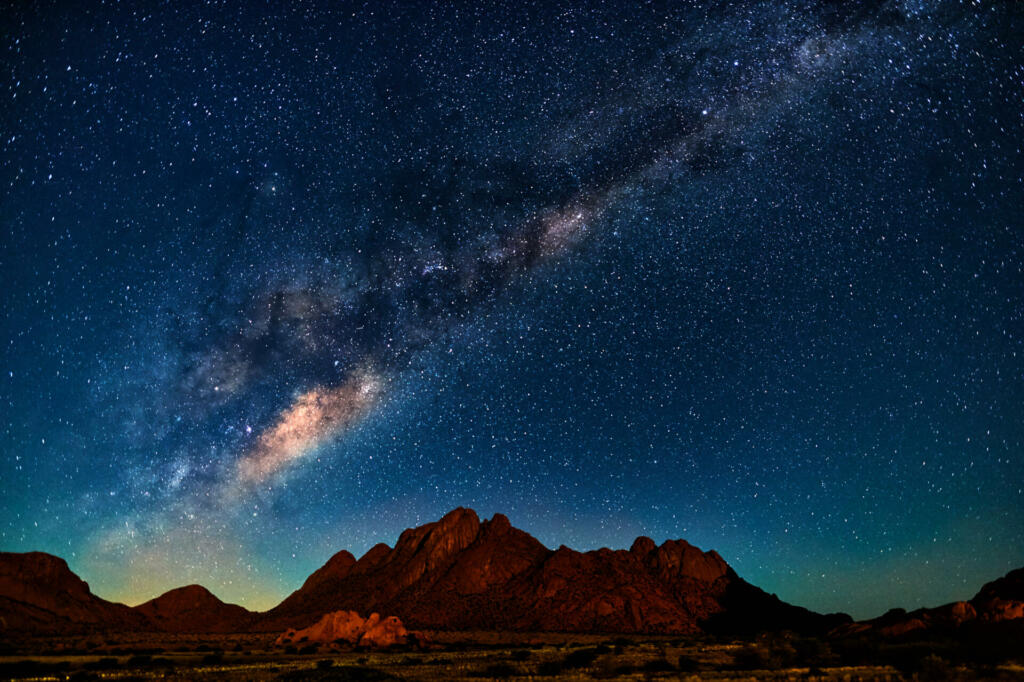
x: 39, y: 594
x: 460, y: 573
x: 351, y: 629
x: 899, y: 622
x: 997, y: 602
x: 1002, y: 599
x: 194, y: 609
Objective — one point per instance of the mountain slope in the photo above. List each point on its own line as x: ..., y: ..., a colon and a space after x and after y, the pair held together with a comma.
x: 39, y: 594
x: 460, y: 573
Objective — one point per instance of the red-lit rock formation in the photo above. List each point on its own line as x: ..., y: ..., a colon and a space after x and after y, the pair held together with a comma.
x: 348, y: 627
x: 1002, y: 599
x: 460, y: 573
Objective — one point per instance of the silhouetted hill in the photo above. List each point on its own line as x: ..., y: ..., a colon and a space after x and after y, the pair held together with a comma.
x: 39, y: 594
x: 194, y: 609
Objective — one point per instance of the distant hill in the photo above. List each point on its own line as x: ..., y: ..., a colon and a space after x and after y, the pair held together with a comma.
x: 194, y: 609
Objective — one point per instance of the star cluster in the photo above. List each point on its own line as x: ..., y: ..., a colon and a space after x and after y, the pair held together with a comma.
x: 283, y: 280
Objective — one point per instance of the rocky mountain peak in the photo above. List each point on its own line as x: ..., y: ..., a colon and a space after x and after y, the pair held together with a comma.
x: 642, y: 546
x: 338, y: 566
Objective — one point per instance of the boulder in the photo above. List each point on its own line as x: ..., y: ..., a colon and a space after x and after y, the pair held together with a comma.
x: 348, y: 627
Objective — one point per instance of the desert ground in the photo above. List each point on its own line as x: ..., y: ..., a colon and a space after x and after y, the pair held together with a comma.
x: 493, y: 656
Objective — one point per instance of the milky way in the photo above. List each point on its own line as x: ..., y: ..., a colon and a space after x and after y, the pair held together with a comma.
x: 317, y: 415
x: 413, y: 294
x: 288, y: 280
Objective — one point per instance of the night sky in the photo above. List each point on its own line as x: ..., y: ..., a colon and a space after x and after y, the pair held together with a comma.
x: 281, y: 279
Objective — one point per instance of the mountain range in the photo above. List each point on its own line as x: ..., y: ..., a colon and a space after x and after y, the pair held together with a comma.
x: 461, y: 573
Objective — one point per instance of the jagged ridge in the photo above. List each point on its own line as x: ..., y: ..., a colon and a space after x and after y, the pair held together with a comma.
x: 460, y: 573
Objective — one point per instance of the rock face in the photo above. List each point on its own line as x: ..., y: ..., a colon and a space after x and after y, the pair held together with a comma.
x: 348, y: 627
x: 459, y: 573
x: 40, y: 595
x: 194, y: 609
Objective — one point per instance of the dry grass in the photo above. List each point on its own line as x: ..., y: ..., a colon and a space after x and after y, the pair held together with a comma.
x: 473, y: 656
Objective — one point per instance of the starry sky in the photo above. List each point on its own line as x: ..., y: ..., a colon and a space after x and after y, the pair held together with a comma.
x: 281, y: 279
